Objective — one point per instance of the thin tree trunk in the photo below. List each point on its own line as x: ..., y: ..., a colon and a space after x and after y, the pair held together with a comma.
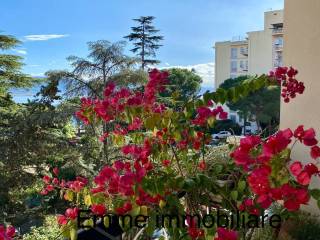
x: 142, y: 46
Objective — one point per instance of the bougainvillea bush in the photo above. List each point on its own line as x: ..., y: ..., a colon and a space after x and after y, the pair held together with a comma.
x: 162, y: 168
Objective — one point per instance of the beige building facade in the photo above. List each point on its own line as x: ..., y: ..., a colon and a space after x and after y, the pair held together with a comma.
x: 259, y: 53
x: 302, y: 51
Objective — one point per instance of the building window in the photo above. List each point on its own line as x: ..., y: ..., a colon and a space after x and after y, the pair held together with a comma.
x: 278, y: 41
x: 233, y: 66
x: 278, y: 59
x: 234, y: 52
x: 242, y: 64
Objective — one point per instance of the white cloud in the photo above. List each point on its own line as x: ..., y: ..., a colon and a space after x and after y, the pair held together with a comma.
x: 204, y: 70
x: 44, y: 37
x: 21, y: 51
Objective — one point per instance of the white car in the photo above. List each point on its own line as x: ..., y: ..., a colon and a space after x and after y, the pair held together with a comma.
x: 221, y: 135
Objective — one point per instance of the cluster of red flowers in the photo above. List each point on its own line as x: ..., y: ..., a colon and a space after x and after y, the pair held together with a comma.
x: 193, y: 230
x: 157, y: 80
x: 258, y: 164
x: 7, y: 233
x: 286, y: 78
x: 52, y: 183
x: 206, y: 112
x: 114, y: 101
x: 225, y: 234
x: 194, y: 141
x: 70, y: 214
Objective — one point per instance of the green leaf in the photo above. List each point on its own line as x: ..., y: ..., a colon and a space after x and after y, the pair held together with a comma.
x: 315, y: 193
x: 69, y: 195
x: 241, y: 186
x: 106, y: 222
x: 73, y: 234
x: 88, y: 223
x: 150, y: 123
x: 211, y: 121
x: 218, y: 168
x: 135, y: 211
x: 87, y: 200
x: 189, y: 184
x: 234, y: 195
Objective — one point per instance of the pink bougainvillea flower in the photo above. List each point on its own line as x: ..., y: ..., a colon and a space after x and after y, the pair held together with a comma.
x: 136, y: 124
x: 103, y: 137
x: 55, y: 171
x: 49, y: 188
x: 296, y: 168
x: 166, y: 162
x: 294, y: 197
x: 46, y: 179
x: 55, y: 181
x: 195, y: 233
x: 202, y: 166
x: 315, y: 152
x: 311, y: 169
x: 225, y: 234
x: 72, y: 213
x: 304, y: 178
x: 109, y: 89
x: 98, y: 209
x: 307, y: 137
x: 7, y: 233
x: 62, y: 220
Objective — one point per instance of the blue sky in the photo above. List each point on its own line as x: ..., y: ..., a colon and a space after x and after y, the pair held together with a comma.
x: 190, y: 27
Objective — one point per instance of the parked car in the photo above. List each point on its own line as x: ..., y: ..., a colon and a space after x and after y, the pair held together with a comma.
x: 221, y: 135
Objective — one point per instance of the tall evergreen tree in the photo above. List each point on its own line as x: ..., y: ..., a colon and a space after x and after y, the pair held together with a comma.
x: 10, y: 68
x: 145, y: 40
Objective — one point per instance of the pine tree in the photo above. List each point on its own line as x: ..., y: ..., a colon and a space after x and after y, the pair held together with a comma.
x: 10, y: 67
x: 145, y: 40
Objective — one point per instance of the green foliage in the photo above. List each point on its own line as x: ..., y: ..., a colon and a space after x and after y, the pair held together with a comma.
x: 106, y: 61
x: 183, y: 85
x: 48, y: 231
x: 145, y: 40
x: 10, y: 68
x: 262, y: 105
x: 306, y: 227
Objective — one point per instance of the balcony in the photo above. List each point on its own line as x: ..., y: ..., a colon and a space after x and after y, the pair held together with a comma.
x: 244, y: 51
x: 278, y: 47
x: 277, y: 63
x: 244, y: 68
x: 277, y: 31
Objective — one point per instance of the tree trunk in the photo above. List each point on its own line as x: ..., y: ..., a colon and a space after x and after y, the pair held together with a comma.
x: 143, y: 46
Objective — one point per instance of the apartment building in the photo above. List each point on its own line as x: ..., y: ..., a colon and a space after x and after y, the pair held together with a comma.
x: 258, y: 53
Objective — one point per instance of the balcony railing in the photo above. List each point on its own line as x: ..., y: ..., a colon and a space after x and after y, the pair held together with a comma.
x: 244, y: 51
x: 278, y: 47
x: 277, y: 63
x: 277, y: 30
